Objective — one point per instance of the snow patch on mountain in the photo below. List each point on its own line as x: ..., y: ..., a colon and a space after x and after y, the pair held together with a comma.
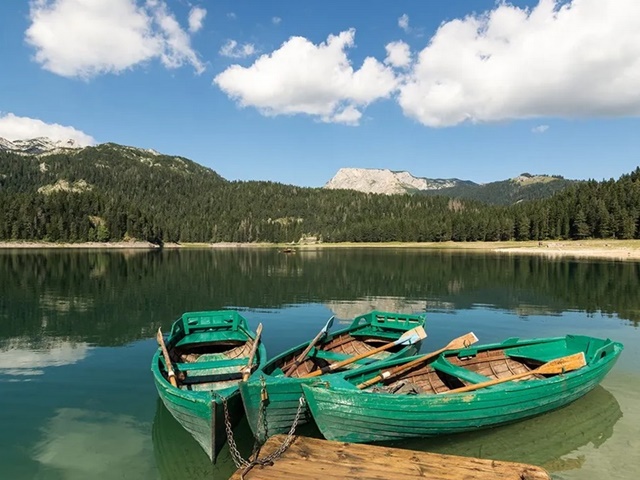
x: 39, y: 146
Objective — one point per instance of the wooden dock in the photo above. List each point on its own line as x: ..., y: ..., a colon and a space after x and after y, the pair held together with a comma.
x: 314, y: 459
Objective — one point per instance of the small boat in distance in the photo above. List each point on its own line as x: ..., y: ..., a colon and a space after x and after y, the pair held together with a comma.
x: 205, y: 355
x: 272, y: 394
x: 459, y: 390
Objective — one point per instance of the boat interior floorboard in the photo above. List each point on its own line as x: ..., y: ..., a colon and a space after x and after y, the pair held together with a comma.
x: 342, y: 346
x: 447, y: 374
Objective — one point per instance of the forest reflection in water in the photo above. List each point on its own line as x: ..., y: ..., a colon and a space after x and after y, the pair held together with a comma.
x: 112, y: 297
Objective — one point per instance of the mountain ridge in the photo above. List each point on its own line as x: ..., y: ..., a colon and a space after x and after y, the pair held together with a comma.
x: 116, y: 193
x: 502, y: 192
x: 366, y: 180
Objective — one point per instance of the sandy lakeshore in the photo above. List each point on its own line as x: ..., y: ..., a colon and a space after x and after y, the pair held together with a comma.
x: 80, y: 245
x: 605, y: 249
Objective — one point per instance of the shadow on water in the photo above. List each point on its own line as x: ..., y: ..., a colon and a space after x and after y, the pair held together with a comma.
x: 541, y: 440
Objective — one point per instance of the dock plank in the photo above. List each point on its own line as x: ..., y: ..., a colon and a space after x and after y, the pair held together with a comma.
x: 315, y: 459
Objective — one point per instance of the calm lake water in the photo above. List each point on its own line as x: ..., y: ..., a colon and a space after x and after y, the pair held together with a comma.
x: 77, y: 399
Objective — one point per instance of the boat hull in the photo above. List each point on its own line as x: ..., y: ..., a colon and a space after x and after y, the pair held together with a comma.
x: 276, y: 413
x: 344, y: 413
x: 202, y: 416
x: 199, y: 407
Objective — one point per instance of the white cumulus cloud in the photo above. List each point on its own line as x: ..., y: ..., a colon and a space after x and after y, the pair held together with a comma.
x: 276, y: 20
x: 557, y: 59
x: 540, y: 128
x: 398, y: 54
x: 85, y: 38
x: 24, y: 128
x: 233, y: 49
x: 303, y: 78
x: 196, y: 18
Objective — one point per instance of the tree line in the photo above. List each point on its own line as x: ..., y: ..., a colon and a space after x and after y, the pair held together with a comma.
x: 124, y: 193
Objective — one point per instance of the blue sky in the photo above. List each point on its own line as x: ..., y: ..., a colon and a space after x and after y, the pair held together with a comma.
x: 291, y: 91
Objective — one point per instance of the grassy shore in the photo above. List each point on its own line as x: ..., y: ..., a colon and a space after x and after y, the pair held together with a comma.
x: 611, y: 249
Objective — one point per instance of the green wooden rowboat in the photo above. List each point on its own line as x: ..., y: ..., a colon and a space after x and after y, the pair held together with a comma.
x: 272, y: 399
x: 208, y: 350
x: 416, y: 403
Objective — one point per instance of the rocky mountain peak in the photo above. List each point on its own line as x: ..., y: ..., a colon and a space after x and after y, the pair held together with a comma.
x: 376, y: 180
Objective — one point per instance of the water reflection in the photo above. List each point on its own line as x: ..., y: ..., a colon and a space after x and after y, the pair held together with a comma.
x: 546, y: 440
x: 59, y: 308
x: 347, y: 311
x: 25, y: 357
x: 111, y: 298
x: 79, y: 444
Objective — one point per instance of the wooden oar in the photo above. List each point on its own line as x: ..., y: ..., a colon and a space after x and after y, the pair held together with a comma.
x: 554, y: 367
x: 408, y: 338
x: 456, y: 343
x: 306, y: 351
x: 167, y: 361
x: 246, y: 371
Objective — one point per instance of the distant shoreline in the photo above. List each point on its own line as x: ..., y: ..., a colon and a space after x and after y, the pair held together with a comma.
x: 604, y: 249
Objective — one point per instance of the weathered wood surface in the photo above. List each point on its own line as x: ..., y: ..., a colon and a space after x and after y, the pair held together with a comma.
x: 314, y: 459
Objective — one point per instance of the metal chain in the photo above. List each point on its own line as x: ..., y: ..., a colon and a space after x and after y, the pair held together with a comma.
x: 238, y: 460
x: 269, y: 459
x: 233, y: 449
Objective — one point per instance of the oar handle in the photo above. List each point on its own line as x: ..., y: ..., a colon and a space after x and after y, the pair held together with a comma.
x: 296, y: 363
x: 409, y: 338
x: 167, y: 360
x: 460, y: 342
x: 489, y: 383
x: 337, y: 365
x: 400, y: 369
x: 553, y: 367
x: 246, y: 372
x: 304, y: 354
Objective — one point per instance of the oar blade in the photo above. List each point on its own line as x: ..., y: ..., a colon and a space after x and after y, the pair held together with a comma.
x: 258, y: 331
x: 562, y: 365
x: 412, y: 336
x: 462, y: 342
x: 328, y: 325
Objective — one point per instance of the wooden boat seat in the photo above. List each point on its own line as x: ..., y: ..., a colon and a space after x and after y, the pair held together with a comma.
x: 212, y: 378
x: 209, y: 336
x: 542, y: 353
x: 215, y: 364
x: 462, y: 373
